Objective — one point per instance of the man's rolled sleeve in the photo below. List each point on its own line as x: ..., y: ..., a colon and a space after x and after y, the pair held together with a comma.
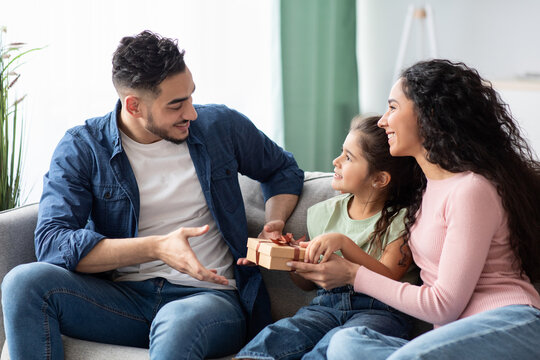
x: 287, y: 181
x: 61, y: 236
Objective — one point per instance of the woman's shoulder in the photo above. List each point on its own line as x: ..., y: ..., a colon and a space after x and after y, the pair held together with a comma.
x: 471, y: 183
x: 461, y: 183
x: 472, y: 190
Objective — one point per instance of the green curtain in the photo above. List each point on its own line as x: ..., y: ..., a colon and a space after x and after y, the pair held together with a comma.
x: 320, y: 82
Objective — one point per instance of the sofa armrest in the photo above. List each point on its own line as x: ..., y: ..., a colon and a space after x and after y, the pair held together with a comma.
x: 16, y: 242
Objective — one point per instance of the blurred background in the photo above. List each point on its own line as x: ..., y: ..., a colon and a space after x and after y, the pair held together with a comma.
x: 299, y: 69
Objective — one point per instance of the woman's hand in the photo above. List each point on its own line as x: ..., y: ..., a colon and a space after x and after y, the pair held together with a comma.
x: 325, y: 245
x: 335, y: 272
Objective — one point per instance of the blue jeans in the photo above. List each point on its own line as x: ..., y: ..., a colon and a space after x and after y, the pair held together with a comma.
x: 307, y: 334
x: 42, y: 301
x: 510, y: 332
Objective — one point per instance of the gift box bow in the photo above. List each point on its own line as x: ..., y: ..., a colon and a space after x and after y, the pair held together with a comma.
x: 283, y: 240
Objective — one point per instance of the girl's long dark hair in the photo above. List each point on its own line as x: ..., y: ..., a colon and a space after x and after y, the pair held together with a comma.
x: 466, y: 126
x: 404, y: 171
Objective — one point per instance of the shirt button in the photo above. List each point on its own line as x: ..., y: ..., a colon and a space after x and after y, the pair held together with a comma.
x: 107, y: 195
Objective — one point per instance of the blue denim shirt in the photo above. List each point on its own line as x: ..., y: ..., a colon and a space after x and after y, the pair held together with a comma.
x: 90, y: 191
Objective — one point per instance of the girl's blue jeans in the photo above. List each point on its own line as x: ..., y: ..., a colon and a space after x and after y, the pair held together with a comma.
x: 41, y: 301
x: 306, y: 335
x: 510, y: 332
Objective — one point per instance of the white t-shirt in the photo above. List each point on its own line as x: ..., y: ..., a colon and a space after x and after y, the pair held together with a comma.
x: 171, y: 197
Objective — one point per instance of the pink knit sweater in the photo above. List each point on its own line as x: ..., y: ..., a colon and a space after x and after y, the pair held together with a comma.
x: 460, y: 242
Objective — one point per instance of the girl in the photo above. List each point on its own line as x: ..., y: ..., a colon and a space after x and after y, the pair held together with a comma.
x: 476, y: 225
x: 368, y: 218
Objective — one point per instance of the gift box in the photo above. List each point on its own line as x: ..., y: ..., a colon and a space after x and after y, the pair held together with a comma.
x: 273, y: 256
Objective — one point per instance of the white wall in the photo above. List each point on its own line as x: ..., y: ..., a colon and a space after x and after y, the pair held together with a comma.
x: 523, y: 101
x: 497, y: 37
x: 232, y: 48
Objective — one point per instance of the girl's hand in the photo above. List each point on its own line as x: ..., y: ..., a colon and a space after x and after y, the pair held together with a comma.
x: 325, y: 245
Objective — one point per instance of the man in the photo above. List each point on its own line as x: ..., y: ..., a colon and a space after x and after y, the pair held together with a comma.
x: 147, y: 197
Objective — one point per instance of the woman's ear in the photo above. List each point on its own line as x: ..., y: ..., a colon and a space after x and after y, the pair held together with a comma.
x: 381, y: 179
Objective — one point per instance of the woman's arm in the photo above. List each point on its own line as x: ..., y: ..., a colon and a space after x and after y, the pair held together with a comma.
x: 452, y: 250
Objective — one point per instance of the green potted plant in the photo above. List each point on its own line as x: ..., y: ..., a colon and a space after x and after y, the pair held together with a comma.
x: 11, y: 124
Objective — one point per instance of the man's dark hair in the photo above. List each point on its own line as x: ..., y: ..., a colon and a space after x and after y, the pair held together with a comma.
x: 145, y: 60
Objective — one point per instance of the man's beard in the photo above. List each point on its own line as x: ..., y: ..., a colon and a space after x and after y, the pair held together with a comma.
x: 162, y: 133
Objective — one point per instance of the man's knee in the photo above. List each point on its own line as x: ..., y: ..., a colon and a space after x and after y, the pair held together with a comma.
x: 208, y: 325
x: 188, y: 315
x: 24, y: 284
x: 23, y: 280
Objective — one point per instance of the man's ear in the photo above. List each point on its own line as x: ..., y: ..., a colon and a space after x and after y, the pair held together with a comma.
x: 134, y: 106
x: 381, y: 179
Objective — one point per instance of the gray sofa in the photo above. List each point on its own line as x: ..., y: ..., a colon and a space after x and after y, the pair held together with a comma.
x: 17, y: 247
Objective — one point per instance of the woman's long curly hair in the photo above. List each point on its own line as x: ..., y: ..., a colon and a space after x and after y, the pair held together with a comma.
x: 465, y: 126
x: 405, y: 176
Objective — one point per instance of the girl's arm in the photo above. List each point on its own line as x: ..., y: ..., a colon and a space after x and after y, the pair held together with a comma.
x: 388, y: 265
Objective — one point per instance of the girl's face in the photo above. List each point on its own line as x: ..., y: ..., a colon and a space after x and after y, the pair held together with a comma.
x: 351, y: 169
x: 401, y: 124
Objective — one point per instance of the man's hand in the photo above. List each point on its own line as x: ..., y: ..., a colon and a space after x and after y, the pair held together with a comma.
x: 175, y: 251
x: 337, y: 271
x: 245, y: 262
x: 272, y: 229
x: 325, y: 245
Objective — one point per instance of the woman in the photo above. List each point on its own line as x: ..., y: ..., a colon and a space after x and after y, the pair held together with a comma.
x: 473, y: 229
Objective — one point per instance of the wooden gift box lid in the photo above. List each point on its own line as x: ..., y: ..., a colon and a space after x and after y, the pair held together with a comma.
x: 272, y: 256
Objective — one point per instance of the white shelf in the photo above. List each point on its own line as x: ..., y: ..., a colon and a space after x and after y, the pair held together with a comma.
x: 517, y: 84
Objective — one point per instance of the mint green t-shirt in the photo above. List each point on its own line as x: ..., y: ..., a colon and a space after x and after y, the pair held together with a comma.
x: 332, y: 216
